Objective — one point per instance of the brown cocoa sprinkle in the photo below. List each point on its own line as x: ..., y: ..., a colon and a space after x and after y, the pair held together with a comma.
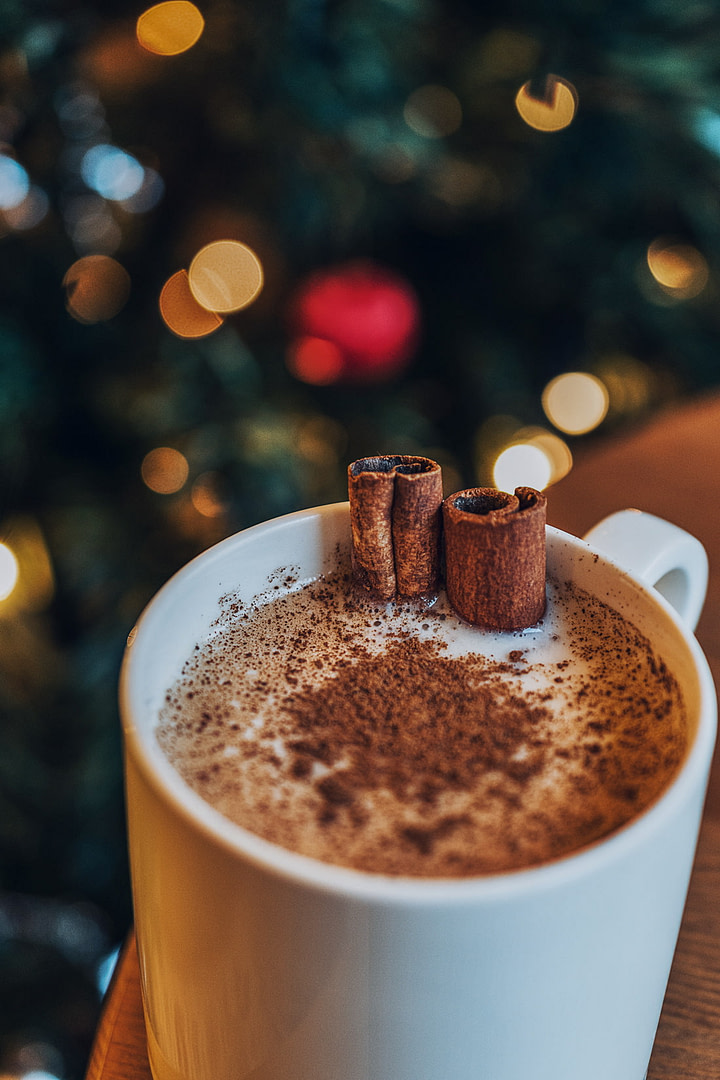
x: 335, y: 791
x: 416, y: 722
x: 425, y: 839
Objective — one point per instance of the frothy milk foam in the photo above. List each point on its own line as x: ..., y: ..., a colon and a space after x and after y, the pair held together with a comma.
x: 398, y: 739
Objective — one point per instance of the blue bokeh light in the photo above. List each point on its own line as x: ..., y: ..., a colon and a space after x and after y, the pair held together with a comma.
x: 14, y: 183
x: 113, y: 173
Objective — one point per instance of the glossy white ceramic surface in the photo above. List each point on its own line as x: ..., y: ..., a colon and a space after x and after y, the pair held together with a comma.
x: 259, y: 964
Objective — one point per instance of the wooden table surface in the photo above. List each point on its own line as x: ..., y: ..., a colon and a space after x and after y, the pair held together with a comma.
x: 670, y: 467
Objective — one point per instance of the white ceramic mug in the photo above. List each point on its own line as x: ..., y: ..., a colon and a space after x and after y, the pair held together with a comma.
x: 261, y: 964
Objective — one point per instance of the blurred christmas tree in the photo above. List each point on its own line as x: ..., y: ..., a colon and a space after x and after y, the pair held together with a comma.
x: 450, y: 209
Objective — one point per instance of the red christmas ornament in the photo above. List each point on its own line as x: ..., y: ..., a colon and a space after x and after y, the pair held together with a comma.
x: 358, y: 322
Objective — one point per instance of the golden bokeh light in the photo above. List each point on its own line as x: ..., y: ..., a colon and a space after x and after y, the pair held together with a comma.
x: 551, y: 112
x: 629, y: 381
x: 225, y: 276
x: 9, y: 571
x: 555, y: 449
x: 206, y: 496
x: 433, y: 111
x: 575, y: 402
x: 96, y: 288
x: 27, y: 582
x: 679, y: 269
x: 165, y: 470
x: 320, y: 440
x: 182, y: 313
x: 170, y: 28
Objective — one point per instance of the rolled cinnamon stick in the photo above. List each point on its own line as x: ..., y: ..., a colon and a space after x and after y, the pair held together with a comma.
x: 395, y: 520
x: 495, y: 556
x: 371, y: 489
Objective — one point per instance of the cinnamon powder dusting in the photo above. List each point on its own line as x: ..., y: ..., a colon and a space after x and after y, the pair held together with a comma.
x: 388, y: 742
x: 415, y: 723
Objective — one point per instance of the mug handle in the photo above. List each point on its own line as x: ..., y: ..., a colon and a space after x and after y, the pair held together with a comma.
x: 658, y: 554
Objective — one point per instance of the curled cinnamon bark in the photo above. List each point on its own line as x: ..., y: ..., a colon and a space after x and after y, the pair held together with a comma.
x: 395, y: 519
x: 495, y: 556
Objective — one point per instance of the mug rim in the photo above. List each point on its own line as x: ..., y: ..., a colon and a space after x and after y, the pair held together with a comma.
x: 312, y: 873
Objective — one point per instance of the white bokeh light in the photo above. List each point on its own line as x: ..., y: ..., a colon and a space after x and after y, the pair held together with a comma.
x: 9, y: 571
x: 522, y: 465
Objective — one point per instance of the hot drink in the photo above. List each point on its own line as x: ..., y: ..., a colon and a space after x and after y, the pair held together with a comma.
x: 398, y: 739
x: 395, y: 736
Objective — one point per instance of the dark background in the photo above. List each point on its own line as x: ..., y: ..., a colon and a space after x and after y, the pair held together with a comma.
x: 296, y: 129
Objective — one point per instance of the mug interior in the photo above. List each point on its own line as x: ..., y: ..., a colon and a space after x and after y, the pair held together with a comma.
x: 300, y: 547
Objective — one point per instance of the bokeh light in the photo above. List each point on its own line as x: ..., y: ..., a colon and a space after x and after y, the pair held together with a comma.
x: 555, y: 449
x: 9, y: 571
x: 368, y: 312
x: 14, y: 183
x: 522, y: 464
x: 37, y: 1058
x: 91, y: 225
x: 493, y: 435
x: 80, y: 111
x: 147, y: 196
x: 630, y: 382
x: 433, y: 111
x: 461, y: 184
x: 27, y: 582
x: 165, y: 470
x: 320, y: 440
x: 182, y: 313
x: 551, y: 112
x: 549, y: 457
x: 206, y: 495
x: 680, y: 269
x: 95, y: 232
x: 114, y: 65
x: 394, y: 162
x: 96, y: 288
x: 575, y: 402
x: 532, y: 456
x: 225, y: 276
x: 30, y: 212
x: 315, y: 360
x: 170, y: 28
x: 112, y: 172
